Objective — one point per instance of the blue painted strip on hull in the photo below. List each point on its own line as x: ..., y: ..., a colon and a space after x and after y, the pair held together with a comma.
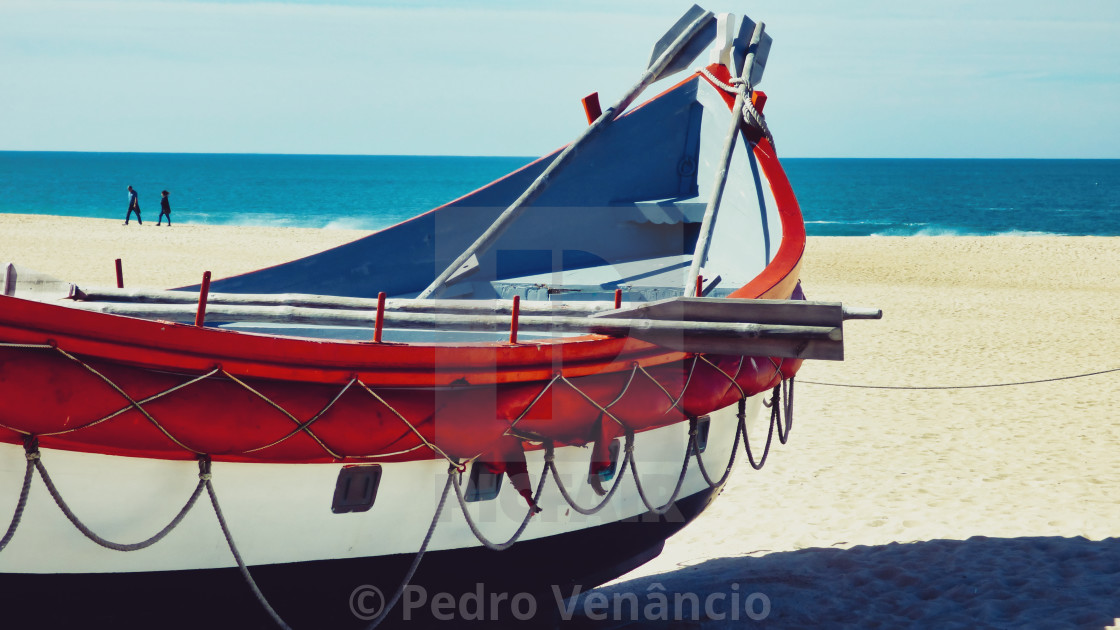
x: 588, y: 208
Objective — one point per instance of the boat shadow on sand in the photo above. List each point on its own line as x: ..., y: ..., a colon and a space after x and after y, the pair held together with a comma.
x: 1038, y: 582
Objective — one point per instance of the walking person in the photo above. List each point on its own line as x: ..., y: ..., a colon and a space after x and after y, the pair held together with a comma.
x: 164, y: 209
x: 133, y: 206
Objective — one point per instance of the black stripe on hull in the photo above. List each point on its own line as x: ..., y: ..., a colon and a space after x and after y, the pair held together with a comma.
x: 319, y: 594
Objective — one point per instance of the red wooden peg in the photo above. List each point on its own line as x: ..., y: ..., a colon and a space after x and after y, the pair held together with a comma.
x: 379, y: 322
x: 591, y: 107
x: 513, y: 319
x: 203, y: 293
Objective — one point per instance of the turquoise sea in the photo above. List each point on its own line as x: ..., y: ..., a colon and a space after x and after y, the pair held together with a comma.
x: 838, y: 196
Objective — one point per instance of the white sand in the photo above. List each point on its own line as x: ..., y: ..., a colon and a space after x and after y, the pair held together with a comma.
x: 934, y: 508
x: 83, y: 251
x: 992, y: 507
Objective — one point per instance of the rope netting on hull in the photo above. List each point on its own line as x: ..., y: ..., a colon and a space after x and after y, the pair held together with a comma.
x: 611, y: 423
x: 99, y: 406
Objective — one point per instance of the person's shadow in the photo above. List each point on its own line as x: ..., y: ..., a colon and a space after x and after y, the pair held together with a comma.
x: 1033, y: 582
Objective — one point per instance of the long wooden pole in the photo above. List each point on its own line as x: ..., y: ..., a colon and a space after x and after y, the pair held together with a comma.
x: 704, y: 240
x: 398, y: 305
x: 687, y: 336
x: 452, y: 321
x: 705, y: 309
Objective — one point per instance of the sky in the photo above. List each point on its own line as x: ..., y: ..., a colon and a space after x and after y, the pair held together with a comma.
x: 858, y: 78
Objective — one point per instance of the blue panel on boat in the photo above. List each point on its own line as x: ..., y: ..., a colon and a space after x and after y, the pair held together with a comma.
x: 588, y: 207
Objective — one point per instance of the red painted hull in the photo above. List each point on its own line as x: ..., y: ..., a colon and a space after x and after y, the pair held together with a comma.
x: 111, y: 384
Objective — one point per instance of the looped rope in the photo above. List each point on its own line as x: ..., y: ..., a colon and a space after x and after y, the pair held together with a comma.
x: 1012, y: 384
x: 204, y: 470
x: 108, y: 544
x: 751, y: 116
x: 455, y: 469
x: 416, y: 559
x: 776, y: 408
x: 486, y: 542
x: 550, y: 462
x: 638, y: 481
x: 739, y: 431
x: 31, y: 449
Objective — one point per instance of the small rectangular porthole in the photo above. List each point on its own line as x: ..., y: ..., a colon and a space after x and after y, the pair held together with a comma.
x: 484, y: 484
x: 356, y: 488
x: 703, y: 424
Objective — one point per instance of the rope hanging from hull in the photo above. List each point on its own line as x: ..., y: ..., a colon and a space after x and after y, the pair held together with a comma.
x: 205, y: 476
x: 455, y: 468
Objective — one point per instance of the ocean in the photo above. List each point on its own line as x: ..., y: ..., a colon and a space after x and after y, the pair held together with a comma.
x: 839, y: 197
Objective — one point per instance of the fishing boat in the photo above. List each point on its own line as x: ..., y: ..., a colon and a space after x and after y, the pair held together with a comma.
x: 514, y: 396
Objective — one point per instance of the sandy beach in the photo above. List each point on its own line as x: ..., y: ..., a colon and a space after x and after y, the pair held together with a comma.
x: 938, y: 507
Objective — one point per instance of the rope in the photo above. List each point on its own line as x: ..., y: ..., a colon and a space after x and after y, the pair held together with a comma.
x: 595, y: 404
x: 775, y: 406
x: 30, y: 445
x: 785, y: 387
x: 419, y: 554
x: 751, y: 115
x: 302, y: 426
x: 88, y: 533
x: 550, y: 462
x: 740, y: 429
x: 204, y: 479
x: 486, y: 542
x: 287, y: 413
x: 688, y: 381
x: 1012, y: 384
x: 34, y: 462
x: 638, y: 481
x: 128, y: 407
x: 532, y: 403
x: 435, y: 449
x: 130, y: 400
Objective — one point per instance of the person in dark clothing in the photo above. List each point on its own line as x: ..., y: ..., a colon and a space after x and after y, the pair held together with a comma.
x: 164, y: 209
x: 133, y: 206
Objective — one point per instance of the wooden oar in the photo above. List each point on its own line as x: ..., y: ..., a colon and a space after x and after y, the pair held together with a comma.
x: 731, y: 338
x: 392, y: 305
x: 692, y: 32
x: 800, y: 312
x: 700, y: 254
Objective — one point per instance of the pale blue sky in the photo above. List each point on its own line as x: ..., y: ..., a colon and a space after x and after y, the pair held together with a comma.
x: 880, y: 78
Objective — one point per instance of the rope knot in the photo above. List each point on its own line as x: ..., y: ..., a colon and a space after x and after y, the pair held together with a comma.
x: 31, y: 447
x: 204, y: 468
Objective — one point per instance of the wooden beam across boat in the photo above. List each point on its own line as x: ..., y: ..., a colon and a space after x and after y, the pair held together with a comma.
x: 392, y: 305
x: 716, y: 337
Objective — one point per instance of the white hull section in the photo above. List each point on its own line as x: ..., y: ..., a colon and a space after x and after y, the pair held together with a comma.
x: 281, y: 513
